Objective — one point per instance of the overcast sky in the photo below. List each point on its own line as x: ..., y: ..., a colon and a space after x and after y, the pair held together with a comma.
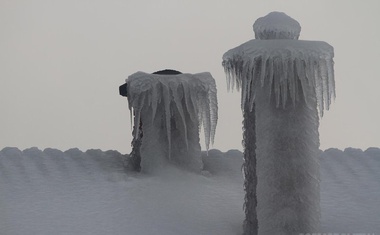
x: 61, y: 63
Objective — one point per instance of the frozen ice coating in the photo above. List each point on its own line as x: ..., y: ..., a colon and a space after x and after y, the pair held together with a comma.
x: 276, y: 25
x: 180, y: 100
x: 284, y: 82
x: 283, y: 64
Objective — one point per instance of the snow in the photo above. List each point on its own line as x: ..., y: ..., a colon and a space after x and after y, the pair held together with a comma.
x: 79, y: 193
x: 276, y: 25
x: 186, y: 101
x: 54, y: 192
x: 282, y: 64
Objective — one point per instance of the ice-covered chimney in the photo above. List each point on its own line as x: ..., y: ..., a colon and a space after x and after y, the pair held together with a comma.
x: 284, y: 82
x: 169, y: 108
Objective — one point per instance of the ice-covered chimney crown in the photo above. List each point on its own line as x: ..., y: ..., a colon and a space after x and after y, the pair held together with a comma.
x: 276, y: 25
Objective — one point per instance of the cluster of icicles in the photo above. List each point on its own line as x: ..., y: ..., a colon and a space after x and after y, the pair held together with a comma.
x: 191, y: 94
x: 284, y: 64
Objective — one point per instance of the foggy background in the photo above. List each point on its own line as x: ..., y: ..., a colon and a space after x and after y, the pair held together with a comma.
x: 61, y: 63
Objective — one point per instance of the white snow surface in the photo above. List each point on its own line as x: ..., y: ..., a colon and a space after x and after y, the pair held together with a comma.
x: 283, y: 64
x: 197, y: 90
x: 79, y: 193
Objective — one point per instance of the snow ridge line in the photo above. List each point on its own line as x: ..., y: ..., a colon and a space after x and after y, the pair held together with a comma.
x: 34, y: 164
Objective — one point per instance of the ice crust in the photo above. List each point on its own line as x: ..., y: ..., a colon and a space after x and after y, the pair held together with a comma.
x: 198, y: 91
x: 283, y: 64
x: 288, y: 178
x: 276, y: 25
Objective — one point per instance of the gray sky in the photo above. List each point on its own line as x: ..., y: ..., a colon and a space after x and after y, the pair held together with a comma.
x: 61, y: 63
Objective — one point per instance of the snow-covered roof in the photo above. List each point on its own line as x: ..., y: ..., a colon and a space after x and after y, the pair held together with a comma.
x: 74, y: 192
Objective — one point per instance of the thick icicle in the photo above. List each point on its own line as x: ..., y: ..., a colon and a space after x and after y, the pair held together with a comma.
x: 177, y: 96
x: 166, y: 100
x: 293, y: 60
x: 278, y: 55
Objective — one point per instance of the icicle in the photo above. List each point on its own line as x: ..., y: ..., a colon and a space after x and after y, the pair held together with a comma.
x: 154, y: 102
x: 229, y: 76
x: 331, y: 80
x: 194, y: 101
x: 206, y: 120
x: 319, y: 87
x: 277, y: 80
x: 130, y: 107
x: 213, y: 109
x: 292, y: 82
x: 263, y: 71
x: 271, y: 76
x: 138, y: 114
x: 283, y: 65
x: 166, y: 99
x: 303, y: 79
x: 208, y: 108
x: 285, y: 80
x: 131, y: 117
x: 309, y: 70
x: 189, y: 105
x: 178, y: 103
x: 325, y: 89
x: 232, y: 81
x: 192, y: 95
x: 245, y: 88
x: 253, y: 93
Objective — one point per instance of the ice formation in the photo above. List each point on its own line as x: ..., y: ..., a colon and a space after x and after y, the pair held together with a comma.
x: 282, y: 64
x: 276, y: 25
x: 249, y: 169
x: 172, y: 109
x: 284, y: 82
